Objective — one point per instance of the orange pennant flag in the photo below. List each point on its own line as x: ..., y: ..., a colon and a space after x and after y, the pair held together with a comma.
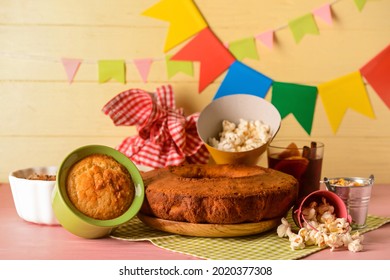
x: 343, y: 93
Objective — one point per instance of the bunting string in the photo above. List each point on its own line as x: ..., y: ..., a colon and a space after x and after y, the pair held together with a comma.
x: 267, y: 38
x: 188, y: 25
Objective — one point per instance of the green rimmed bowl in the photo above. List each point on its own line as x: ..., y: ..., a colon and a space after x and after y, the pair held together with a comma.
x: 76, y: 222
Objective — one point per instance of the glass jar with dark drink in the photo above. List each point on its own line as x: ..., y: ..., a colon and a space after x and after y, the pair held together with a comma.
x: 301, y: 159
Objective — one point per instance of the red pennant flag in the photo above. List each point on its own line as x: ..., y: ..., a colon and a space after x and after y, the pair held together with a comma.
x: 71, y: 66
x: 213, y: 56
x: 376, y: 72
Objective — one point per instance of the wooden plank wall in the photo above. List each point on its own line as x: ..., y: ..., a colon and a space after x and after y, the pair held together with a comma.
x: 43, y: 118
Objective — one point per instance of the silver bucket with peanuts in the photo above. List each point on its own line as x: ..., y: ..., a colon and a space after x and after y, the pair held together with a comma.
x: 356, y: 194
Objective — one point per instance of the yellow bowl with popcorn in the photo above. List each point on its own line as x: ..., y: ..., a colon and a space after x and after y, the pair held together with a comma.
x: 237, y: 128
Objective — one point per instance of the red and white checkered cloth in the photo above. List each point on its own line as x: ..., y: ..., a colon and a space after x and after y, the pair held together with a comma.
x: 165, y: 136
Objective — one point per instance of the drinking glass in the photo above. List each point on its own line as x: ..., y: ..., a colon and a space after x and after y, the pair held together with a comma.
x: 299, y: 158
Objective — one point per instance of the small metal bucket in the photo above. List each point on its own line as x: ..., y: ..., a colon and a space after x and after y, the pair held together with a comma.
x: 356, y: 193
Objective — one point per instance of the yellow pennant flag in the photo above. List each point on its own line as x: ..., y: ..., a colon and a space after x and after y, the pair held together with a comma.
x: 112, y: 69
x: 184, y: 17
x: 340, y: 94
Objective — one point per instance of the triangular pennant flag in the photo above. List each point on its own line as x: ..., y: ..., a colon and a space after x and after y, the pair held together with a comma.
x: 240, y: 78
x: 267, y: 38
x: 302, y: 26
x: 184, y: 17
x: 244, y: 48
x: 143, y: 67
x: 300, y: 100
x: 214, y: 58
x: 376, y: 72
x: 71, y: 66
x: 325, y: 13
x: 340, y: 94
x: 174, y: 67
x: 112, y: 69
x: 360, y: 4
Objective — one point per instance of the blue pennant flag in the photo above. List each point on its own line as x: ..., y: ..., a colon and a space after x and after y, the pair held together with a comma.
x: 240, y: 78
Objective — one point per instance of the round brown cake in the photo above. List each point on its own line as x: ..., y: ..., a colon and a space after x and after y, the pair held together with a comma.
x: 100, y: 187
x: 218, y: 194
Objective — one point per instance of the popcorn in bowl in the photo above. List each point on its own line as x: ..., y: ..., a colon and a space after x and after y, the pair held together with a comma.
x: 321, y: 227
x: 244, y: 136
x: 241, y: 114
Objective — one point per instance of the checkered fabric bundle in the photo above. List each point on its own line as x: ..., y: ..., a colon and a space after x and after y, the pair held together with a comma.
x: 165, y: 136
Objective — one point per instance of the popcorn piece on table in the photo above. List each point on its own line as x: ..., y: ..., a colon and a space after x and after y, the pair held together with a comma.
x: 321, y: 228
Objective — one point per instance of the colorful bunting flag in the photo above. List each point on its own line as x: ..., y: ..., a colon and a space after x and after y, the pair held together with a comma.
x: 377, y: 74
x: 186, y: 21
x: 174, y: 67
x: 71, y: 66
x: 240, y: 78
x: 214, y: 58
x: 112, y: 69
x: 325, y: 13
x: 300, y: 100
x: 340, y: 94
x: 184, y: 17
x: 302, y: 26
x: 360, y: 4
x: 143, y: 67
x: 267, y: 38
x: 244, y: 48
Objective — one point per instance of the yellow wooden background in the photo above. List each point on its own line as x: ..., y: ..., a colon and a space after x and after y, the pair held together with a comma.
x: 43, y: 118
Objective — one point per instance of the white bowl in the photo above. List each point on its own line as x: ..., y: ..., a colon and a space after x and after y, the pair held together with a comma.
x: 233, y: 108
x: 33, y: 198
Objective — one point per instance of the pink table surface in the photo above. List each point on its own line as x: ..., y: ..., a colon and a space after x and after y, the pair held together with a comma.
x: 21, y: 240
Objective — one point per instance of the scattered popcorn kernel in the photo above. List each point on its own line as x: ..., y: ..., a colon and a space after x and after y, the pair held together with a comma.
x: 282, y: 228
x: 296, y: 241
x: 355, y: 246
x: 321, y: 228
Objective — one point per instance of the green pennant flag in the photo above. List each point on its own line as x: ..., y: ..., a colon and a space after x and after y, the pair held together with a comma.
x: 176, y: 66
x: 360, y: 4
x: 244, y: 48
x: 112, y: 69
x: 303, y: 25
x: 300, y: 100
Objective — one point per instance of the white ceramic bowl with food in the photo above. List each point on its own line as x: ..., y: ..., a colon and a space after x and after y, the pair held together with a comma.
x: 233, y: 108
x: 32, y: 193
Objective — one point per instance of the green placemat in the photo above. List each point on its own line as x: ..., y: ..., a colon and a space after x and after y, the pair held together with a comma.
x: 265, y: 246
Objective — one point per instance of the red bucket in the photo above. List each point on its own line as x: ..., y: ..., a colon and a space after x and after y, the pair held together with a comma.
x: 340, y: 209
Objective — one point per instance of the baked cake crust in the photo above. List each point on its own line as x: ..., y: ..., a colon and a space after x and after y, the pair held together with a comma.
x: 218, y: 194
x: 100, y: 187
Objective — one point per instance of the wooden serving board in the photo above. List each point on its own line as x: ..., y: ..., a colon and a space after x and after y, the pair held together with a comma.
x: 209, y: 230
